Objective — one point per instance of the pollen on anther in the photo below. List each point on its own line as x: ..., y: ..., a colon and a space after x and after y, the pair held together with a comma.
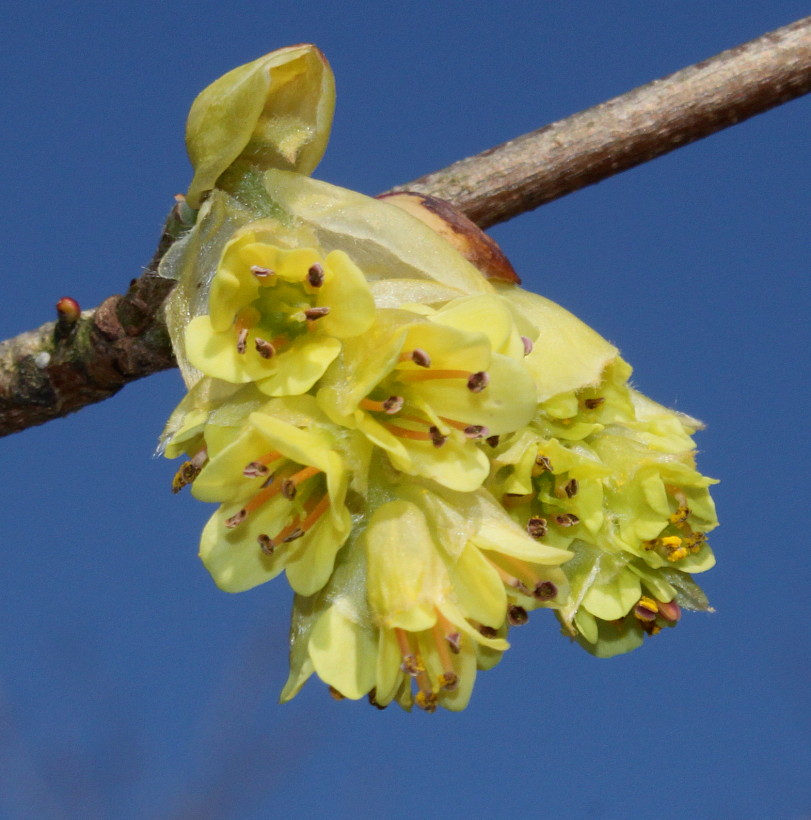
x: 315, y: 275
x: 478, y: 381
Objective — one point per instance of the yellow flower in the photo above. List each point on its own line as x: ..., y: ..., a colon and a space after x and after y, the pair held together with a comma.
x: 428, y: 390
x: 277, y: 316
x: 282, y: 489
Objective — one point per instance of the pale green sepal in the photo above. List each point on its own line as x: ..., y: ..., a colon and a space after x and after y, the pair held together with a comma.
x: 383, y: 240
x: 612, y: 639
x: 273, y: 112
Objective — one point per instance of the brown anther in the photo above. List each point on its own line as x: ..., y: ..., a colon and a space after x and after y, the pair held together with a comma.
x: 493, y: 441
x: 295, y: 535
x: 475, y: 431
x: 571, y: 488
x: 255, y: 469
x: 449, y: 681
x: 544, y: 591
x: 567, y: 520
x: 185, y: 475
x: 426, y: 701
x: 267, y: 544
x: 236, y: 520
x: 670, y: 611
x: 315, y: 275
x: 335, y: 694
x: 68, y: 310
x: 412, y: 665
x: 516, y: 615
x: 261, y: 273
x: 593, y: 404
x: 264, y: 349
x: 478, y: 381
x: 393, y: 404
x: 242, y: 337
x: 454, y: 641
x: 373, y: 700
x: 543, y: 462
x: 536, y: 527
x: 316, y: 313
x: 437, y: 439
x: 420, y: 357
x: 487, y: 631
x: 289, y: 489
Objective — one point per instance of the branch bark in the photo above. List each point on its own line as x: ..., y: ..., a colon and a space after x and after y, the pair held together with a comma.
x: 63, y: 366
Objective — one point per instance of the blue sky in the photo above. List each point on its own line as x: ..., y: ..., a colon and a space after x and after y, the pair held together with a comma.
x: 131, y: 687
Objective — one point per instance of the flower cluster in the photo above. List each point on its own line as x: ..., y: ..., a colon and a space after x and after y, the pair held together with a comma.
x: 428, y: 453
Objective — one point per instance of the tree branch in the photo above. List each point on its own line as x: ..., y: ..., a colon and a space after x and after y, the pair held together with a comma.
x: 63, y: 366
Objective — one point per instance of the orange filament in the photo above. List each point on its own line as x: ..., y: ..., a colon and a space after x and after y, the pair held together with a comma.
x: 315, y: 513
x: 522, y: 571
x: 425, y: 375
x: 303, y: 475
x: 268, y: 458
x: 262, y: 496
x: 449, y: 676
x: 450, y: 633
x: 510, y: 580
x: 416, y: 435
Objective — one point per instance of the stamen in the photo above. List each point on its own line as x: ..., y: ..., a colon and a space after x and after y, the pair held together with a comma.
x: 567, y: 520
x: 478, y: 381
x: 646, y: 609
x: 264, y: 349
x: 527, y: 345
x: 449, y: 679
x: 517, y: 615
x: 315, y: 275
x: 392, y: 405
x: 670, y: 611
x: 543, y: 462
x: 316, y: 313
x: 516, y: 499
x: 411, y: 664
x: 237, y: 519
x: 335, y: 694
x: 475, y: 431
x: 679, y: 518
x: 267, y: 544
x: 262, y: 273
x: 189, y: 470
x: 372, y: 696
x: 418, y: 356
x: 544, y: 591
x: 242, y: 337
x: 487, y: 631
x: 493, y: 441
x: 450, y: 632
x: 414, y: 435
x: 259, y: 467
x: 510, y: 580
x: 437, y: 439
x: 536, y: 527
x: 426, y: 700
x: 571, y: 488
x: 289, y: 485
x: 593, y: 404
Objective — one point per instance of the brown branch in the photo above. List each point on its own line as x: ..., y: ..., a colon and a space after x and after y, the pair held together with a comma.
x: 63, y: 366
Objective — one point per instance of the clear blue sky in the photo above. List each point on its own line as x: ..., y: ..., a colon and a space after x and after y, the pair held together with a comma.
x: 131, y: 687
